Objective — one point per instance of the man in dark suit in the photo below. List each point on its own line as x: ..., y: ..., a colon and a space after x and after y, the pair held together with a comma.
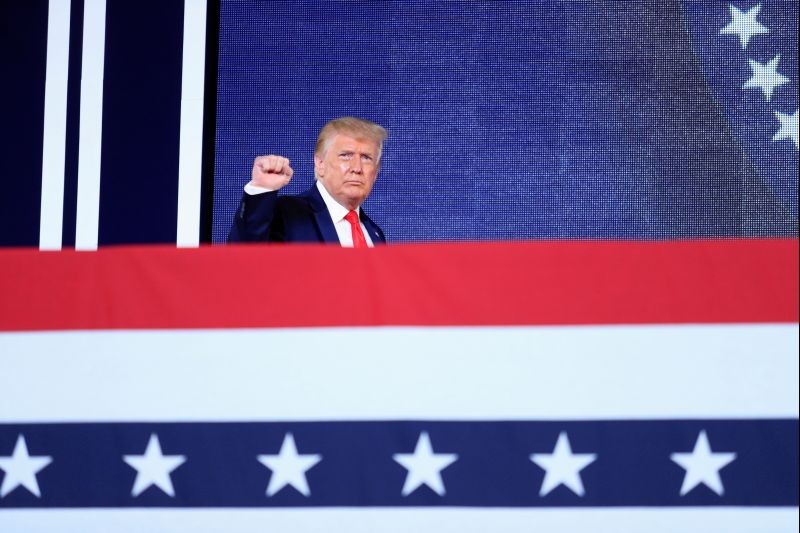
x: 346, y: 164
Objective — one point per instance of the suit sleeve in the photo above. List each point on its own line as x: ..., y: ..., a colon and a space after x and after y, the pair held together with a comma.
x: 255, y: 219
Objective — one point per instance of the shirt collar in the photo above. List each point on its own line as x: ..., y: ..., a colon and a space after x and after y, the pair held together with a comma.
x: 336, y: 210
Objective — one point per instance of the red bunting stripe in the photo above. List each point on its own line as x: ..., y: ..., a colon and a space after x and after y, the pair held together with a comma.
x: 536, y: 283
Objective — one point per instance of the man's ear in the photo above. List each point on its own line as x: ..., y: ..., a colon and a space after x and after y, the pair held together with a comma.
x: 318, y: 167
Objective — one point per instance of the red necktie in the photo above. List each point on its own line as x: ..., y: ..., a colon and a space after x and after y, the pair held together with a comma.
x: 355, y: 227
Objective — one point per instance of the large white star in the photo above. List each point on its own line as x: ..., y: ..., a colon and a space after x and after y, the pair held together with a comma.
x: 788, y: 129
x: 702, y: 466
x: 744, y: 24
x: 21, y: 468
x: 562, y: 466
x: 766, y: 76
x: 153, y: 468
x: 424, y: 467
x: 289, y: 467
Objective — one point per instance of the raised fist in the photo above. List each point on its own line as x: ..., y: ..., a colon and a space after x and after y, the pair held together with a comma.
x: 271, y: 172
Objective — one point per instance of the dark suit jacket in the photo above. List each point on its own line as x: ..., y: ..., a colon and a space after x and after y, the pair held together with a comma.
x: 302, y: 218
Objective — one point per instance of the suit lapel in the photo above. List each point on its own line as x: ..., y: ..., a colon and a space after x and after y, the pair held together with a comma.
x: 374, y: 231
x: 325, y: 224
x: 322, y: 217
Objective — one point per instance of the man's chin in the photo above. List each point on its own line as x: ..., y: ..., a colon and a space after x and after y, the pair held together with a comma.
x: 355, y: 190
x: 353, y: 198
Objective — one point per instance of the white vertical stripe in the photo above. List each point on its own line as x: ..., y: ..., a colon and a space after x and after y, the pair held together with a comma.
x: 191, y: 142
x: 94, y: 36
x: 55, y: 125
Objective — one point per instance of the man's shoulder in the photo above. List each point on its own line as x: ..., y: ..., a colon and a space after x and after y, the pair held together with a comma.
x: 304, y: 201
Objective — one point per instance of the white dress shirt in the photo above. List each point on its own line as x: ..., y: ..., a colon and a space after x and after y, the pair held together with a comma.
x: 335, y: 209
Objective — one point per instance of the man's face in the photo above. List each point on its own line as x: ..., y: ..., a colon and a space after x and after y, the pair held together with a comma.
x: 348, y: 169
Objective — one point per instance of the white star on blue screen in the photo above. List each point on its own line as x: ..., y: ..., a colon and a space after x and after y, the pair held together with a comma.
x: 745, y: 24
x: 788, y: 127
x: 766, y: 76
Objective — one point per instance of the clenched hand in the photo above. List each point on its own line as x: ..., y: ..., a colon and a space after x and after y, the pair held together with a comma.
x: 271, y: 172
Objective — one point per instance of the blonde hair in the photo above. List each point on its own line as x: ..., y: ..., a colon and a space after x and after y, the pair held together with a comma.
x: 352, y: 127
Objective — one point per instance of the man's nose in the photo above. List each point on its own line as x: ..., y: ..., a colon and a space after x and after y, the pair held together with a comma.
x: 356, y: 166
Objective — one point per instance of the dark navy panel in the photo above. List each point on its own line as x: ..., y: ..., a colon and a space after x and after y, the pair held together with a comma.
x: 633, y: 465
x: 23, y: 56
x: 209, y: 119
x: 508, y: 120
x: 73, y: 124
x: 141, y: 122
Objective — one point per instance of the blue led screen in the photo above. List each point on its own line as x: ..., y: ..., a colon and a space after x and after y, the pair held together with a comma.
x: 525, y: 120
